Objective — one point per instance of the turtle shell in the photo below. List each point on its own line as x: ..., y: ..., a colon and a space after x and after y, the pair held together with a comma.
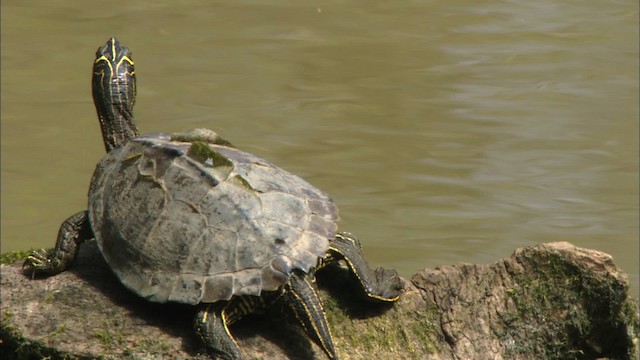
x: 175, y: 227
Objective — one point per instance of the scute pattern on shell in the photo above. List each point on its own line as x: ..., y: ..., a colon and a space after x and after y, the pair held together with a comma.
x: 175, y: 229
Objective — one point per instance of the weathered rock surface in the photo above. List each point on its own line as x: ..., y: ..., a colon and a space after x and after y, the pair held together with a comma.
x: 551, y: 301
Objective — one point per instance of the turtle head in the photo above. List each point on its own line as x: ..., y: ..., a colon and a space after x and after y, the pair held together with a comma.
x: 114, y: 93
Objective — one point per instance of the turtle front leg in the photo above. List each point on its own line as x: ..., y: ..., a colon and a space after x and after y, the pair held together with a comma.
x: 378, y: 285
x: 73, y: 231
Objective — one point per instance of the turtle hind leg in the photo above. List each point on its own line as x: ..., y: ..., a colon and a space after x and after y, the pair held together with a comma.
x: 212, y: 327
x: 73, y: 231
x: 377, y: 285
x: 300, y: 294
x: 213, y: 320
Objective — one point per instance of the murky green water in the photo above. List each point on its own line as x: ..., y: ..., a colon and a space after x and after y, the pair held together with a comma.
x: 446, y: 132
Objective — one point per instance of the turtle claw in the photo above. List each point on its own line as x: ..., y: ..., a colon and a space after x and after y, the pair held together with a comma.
x: 389, y: 284
x: 42, y: 263
x: 378, y: 285
x: 37, y: 262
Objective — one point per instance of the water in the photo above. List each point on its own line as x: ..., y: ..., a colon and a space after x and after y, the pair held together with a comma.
x: 445, y: 133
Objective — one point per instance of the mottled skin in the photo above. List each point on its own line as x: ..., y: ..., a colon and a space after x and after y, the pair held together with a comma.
x: 288, y: 278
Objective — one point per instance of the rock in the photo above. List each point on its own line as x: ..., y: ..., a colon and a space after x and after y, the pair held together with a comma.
x: 551, y: 301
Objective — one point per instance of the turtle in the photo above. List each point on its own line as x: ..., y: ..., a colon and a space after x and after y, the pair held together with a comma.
x: 189, y: 218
